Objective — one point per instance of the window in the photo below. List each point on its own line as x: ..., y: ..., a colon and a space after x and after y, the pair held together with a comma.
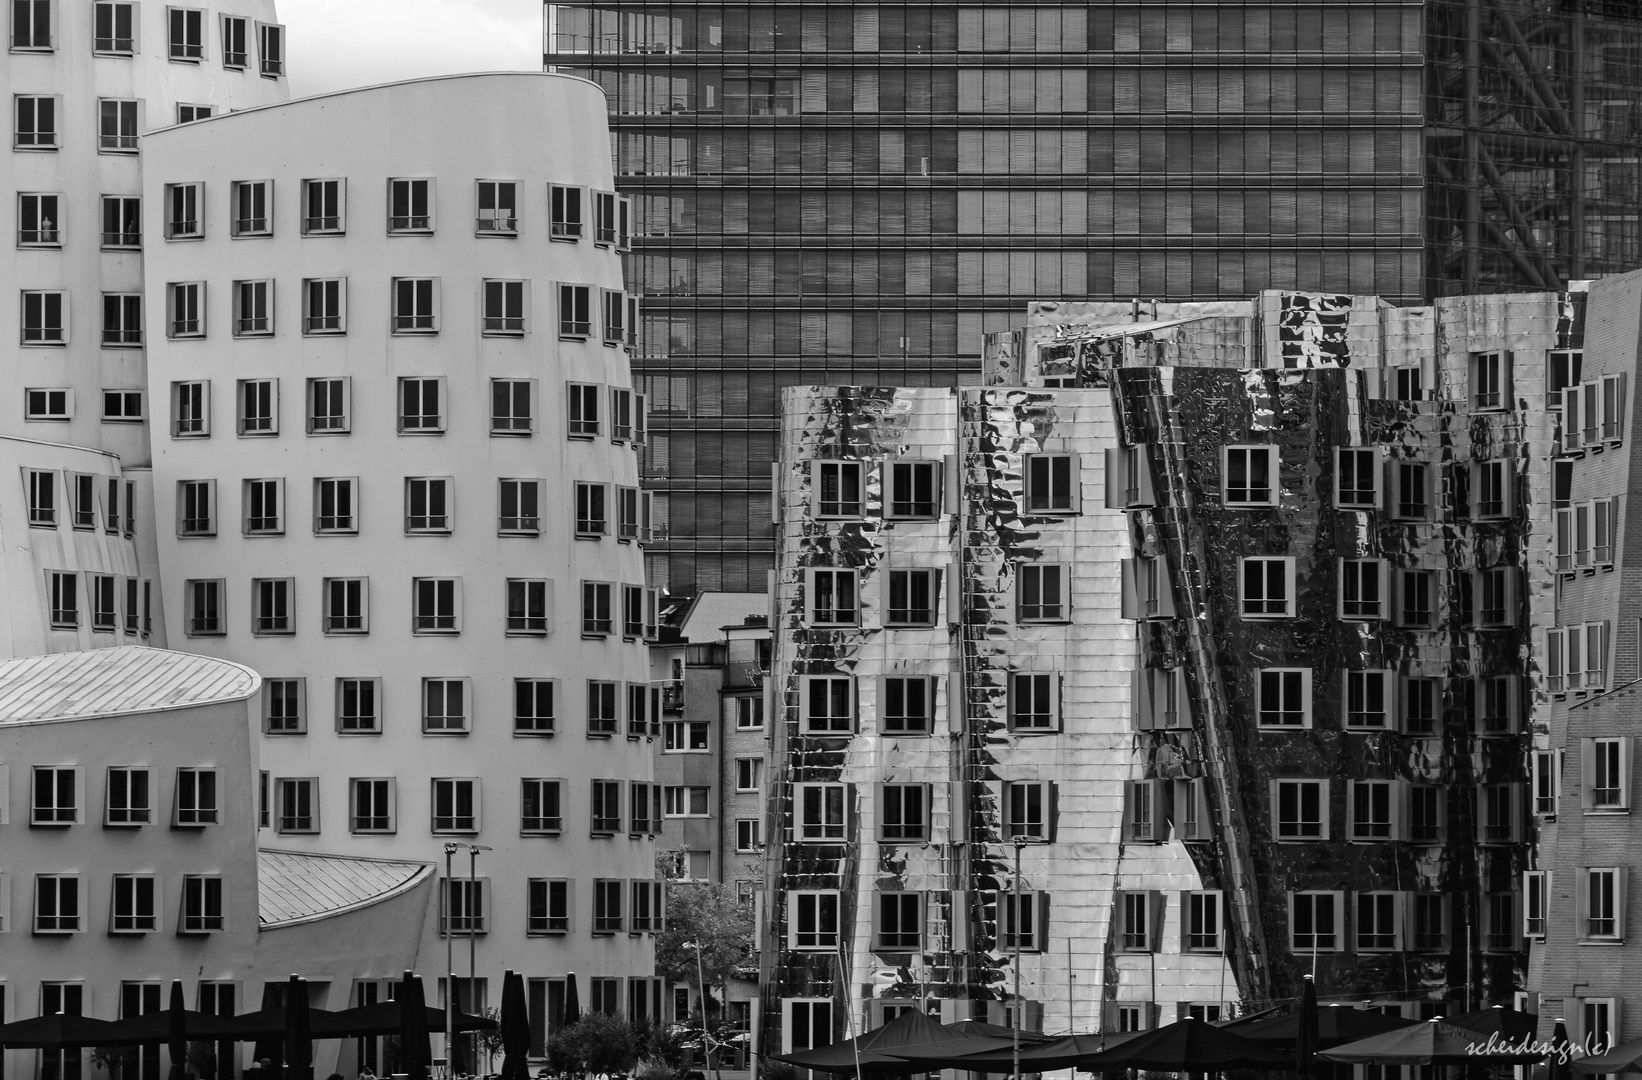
x: 284, y: 709
x: 813, y: 920
x: 504, y: 307
x: 1249, y: 475
x: 1051, y: 483
x: 838, y: 489
x: 1314, y: 921
x: 1415, y: 592
x: 685, y: 736
x: 575, y: 311
x: 298, y: 810
x: 1161, y: 699
x: 1042, y: 592
x: 1427, y: 813
x: 133, y: 906
x: 324, y: 306
x: 1493, y: 597
x: 1379, y: 922
x: 444, y: 706
x: 251, y: 200
x: 56, y: 904
x: 749, y: 713
x: 833, y: 597
x: 1374, y: 814
x: 683, y: 802
x: 65, y: 603
x: 592, y: 510
x: 632, y: 623
x: 1498, y: 813
x: 1491, y: 381
x: 117, y: 125
x: 427, y: 504
x: 1536, y: 897
x: 272, y: 601
x: 749, y: 835
x: 1140, y: 919
x: 334, y: 500
x: 233, y: 41
x: 263, y: 502
x: 420, y: 410
x: 1421, y: 705
x: 186, y: 309
x: 358, y: 710
x: 187, y: 33
x: 127, y: 797
x: 1033, y: 704
x: 48, y: 403
x: 903, y: 813
x: 1148, y: 591
x: 539, y: 807
x: 914, y: 489
x: 136, y: 617
x: 1146, y: 811
x: 1299, y: 809
x: 1428, y: 922
x: 1576, y: 658
x: 1267, y: 588
x: 122, y: 406
x: 1357, y: 478
x: 323, y: 206
x: 82, y: 497
x: 1283, y: 697
x: 1605, y: 772
x: 527, y: 606
x: 1493, y: 702
x: 346, y: 603
x: 1600, y: 903
x: 122, y: 221
x: 197, y: 798
x: 253, y: 308
x: 621, y: 414
x: 518, y: 507
x: 597, y: 617
x: 410, y: 206
x: 57, y: 791
x: 1029, y: 810
x: 45, y: 318
x: 371, y: 805
x: 455, y: 805
x: 1368, y: 701
x: 604, y: 217
x: 630, y: 507
x: 907, y: 705
x: 821, y: 811
x: 38, y: 220
x: 606, y: 816
x: 258, y: 407
x: 31, y: 25
x: 900, y: 921
x: 1129, y: 477
x: 36, y: 123
x: 1410, y: 490
x: 271, y: 48
x: 547, y: 907
x: 1491, y: 490
x: 1546, y: 781
x: 566, y: 212
x: 329, y: 406
x: 190, y: 409
x: 828, y: 704
x: 42, y: 496
x: 415, y: 305
x: 602, y: 707
x: 913, y: 597
x: 203, y: 610
x: 1362, y: 588
x: 497, y: 215
x: 615, y: 316
x: 463, y: 907
x: 1201, y: 921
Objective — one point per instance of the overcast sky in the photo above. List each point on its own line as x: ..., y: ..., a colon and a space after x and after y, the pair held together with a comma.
x: 335, y: 44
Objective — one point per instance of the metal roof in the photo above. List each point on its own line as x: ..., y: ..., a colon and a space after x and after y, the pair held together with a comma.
x: 713, y: 611
x: 111, y: 682
x: 298, y: 886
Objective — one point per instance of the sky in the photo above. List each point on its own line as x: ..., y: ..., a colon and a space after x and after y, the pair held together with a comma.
x: 335, y: 44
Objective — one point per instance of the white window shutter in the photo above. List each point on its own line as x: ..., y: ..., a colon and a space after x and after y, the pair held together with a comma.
x: 80, y: 795
x: 1587, y: 775
x: 1621, y: 898
x: 1140, y: 684
x: 1117, y: 497
x: 1625, y: 750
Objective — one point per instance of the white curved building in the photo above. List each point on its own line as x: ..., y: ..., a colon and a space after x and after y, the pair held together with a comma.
x: 395, y: 473
x: 85, y: 80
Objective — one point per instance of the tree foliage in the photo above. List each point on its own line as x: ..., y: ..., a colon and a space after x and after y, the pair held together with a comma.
x: 709, y: 914
x: 597, y: 1043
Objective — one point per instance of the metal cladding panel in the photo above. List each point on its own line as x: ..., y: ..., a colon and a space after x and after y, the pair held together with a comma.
x: 983, y: 537
x: 1186, y: 416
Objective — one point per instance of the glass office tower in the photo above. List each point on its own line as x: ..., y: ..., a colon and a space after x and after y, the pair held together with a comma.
x: 853, y: 193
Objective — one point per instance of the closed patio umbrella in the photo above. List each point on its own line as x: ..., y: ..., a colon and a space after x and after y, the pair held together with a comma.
x: 299, y: 1040
x: 270, y: 1044
x: 415, y: 1050
x: 572, y: 1002
x: 176, y: 1036
x: 1561, y: 1052
x: 515, y: 1028
x: 1305, y: 1036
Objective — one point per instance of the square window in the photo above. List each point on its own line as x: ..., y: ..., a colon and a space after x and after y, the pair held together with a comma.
x: 1362, y: 588
x: 1410, y: 490
x: 1421, y: 705
x: 504, y: 307
x: 463, y: 908
x: 828, y: 705
x: 603, y: 704
x: 1266, y: 588
x: 252, y: 205
x: 597, y: 616
x: 533, y: 707
x: 1315, y: 922
x: 1042, y: 592
x: 358, y: 706
x: 592, y: 510
x: 330, y: 406
x: 58, y: 795
x: 575, y: 311
x: 35, y: 122
x: 518, y: 507
x: 903, y: 813
x: 1416, y: 599
x: 415, y: 305
x: 1357, y: 478
x: 56, y: 904
x: 264, y: 504
x: 900, y: 921
x: 1022, y: 920
x: 540, y: 809
x: 1536, y: 895
x: 1299, y: 810
x: 606, y: 816
x: 821, y: 812
x: 437, y: 605
x: 122, y: 406
x: 335, y: 501
x: 1029, y: 810
x: 1379, y: 921
x: 1051, y: 483
x: 455, y: 805
x: 1605, y: 771
x: 122, y: 222
x: 834, y: 598
x: 39, y: 220
x: 1491, y: 381
x: 31, y: 26
x: 497, y: 208
x: 48, y: 403
x: 908, y: 705
x: 1248, y: 475
x: 410, y: 205
x: 749, y: 835
x: 913, y: 597
x: 1139, y: 919
x: 1202, y: 919
x: 1033, y: 701
x: 1368, y: 701
x: 528, y: 606
x: 547, y: 906
x: 133, y: 907
x: 1374, y: 811
x: 1493, y: 598
x: 427, y: 504
x: 914, y: 489
x: 1491, y: 483
x: 323, y: 206
x: 45, y: 318
x: 1283, y: 697
x: 1427, y: 813
x: 324, y: 306
x: 685, y: 736
x: 371, y: 805
x: 445, y: 706
x: 197, y: 798
x: 838, y: 489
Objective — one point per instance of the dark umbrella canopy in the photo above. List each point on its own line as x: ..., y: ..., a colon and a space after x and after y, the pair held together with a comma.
x: 874, y: 1049
x: 385, y: 1018
x: 61, y: 1029
x: 415, y: 1049
x: 1187, y: 1046
x: 1626, y: 1057
x: 1040, y: 1055
x: 572, y: 1001
x: 270, y: 1045
x: 176, y: 1035
x: 299, y: 1037
x: 1508, y: 1024
x: 1561, y: 1053
x: 1335, y: 1025
x: 1305, y: 1036
x: 1432, y: 1043
x: 515, y: 1028
x: 155, y: 1027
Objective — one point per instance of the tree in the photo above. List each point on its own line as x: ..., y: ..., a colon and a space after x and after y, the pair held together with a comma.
x: 708, y: 935
x: 597, y: 1043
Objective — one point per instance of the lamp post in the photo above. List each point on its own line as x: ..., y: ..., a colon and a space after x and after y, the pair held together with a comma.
x: 701, y: 1000
x: 450, y: 959
x: 1015, y: 1017
x: 474, y: 907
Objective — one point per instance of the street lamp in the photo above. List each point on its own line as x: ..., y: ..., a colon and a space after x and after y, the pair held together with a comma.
x: 701, y: 998
x: 450, y: 958
x: 473, y: 906
x: 1020, y: 841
